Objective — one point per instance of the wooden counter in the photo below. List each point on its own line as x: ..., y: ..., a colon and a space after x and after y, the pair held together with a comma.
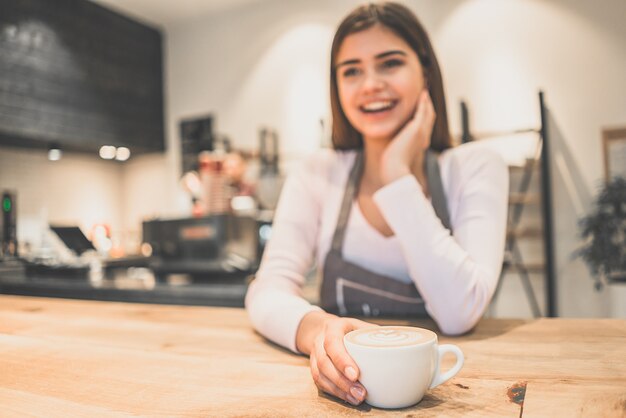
x: 62, y: 358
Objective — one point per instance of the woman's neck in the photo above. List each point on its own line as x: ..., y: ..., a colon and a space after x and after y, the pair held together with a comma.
x: 372, y: 179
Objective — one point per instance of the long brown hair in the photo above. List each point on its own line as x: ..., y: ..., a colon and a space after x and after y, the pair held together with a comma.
x: 403, y: 23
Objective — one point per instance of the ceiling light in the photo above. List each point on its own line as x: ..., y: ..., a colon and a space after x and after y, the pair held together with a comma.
x: 54, y: 152
x: 122, y: 154
x: 107, y: 152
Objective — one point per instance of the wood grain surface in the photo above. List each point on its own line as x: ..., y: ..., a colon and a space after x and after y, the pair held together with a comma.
x: 62, y: 358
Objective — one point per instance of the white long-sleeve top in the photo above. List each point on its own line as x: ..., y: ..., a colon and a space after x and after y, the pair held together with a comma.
x: 455, y: 274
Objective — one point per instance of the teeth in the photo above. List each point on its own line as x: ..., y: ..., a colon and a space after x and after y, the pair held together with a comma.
x: 376, y: 106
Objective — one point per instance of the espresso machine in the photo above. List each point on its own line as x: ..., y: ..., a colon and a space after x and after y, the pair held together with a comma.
x: 10, y: 263
x: 215, y: 247
x: 8, y: 226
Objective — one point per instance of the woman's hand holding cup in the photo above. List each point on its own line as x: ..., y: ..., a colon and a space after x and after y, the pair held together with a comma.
x: 332, y: 368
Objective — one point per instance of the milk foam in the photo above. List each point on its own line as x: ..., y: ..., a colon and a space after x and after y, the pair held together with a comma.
x: 390, y: 336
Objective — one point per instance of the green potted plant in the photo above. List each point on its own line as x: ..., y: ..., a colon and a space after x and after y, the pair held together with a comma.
x: 604, y: 235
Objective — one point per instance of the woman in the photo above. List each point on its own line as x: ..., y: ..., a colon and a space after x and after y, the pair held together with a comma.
x: 378, y: 211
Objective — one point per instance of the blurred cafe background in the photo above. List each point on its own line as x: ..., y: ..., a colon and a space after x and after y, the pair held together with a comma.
x: 143, y: 143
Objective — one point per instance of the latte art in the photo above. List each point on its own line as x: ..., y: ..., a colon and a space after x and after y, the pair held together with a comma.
x: 390, y: 336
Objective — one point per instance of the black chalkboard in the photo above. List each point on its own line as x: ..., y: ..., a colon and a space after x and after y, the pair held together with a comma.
x: 76, y: 73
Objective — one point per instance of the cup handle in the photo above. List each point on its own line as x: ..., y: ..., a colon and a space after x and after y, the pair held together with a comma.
x: 439, y: 377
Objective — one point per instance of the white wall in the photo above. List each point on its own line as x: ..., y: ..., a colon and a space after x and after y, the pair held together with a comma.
x: 77, y: 190
x: 266, y: 64
x: 146, y: 183
x: 84, y: 190
x: 497, y: 54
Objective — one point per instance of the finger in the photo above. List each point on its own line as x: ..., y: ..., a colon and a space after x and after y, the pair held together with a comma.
x: 428, y: 106
x: 328, y: 370
x: 432, y: 114
x: 419, y: 105
x: 336, y: 350
x: 422, y: 108
x: 428, y: 122
x: 325, y: 385
x: 412, y: 121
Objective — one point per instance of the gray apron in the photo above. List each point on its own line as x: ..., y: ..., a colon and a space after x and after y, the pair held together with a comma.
x: 348, y: 289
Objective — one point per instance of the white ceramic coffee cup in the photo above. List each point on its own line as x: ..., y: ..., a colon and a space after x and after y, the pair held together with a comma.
x: 399, y: 364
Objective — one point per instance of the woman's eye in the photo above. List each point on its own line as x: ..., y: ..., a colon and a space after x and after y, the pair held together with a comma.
x: 392, y: 63
x: 349, y: 72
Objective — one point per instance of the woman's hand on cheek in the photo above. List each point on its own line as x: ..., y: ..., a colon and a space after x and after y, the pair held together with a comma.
x: 332, y: 368
x: 413, y: 139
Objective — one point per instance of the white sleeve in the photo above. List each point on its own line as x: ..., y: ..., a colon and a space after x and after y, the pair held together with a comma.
x: 274, y: 300
x: 456, y: 275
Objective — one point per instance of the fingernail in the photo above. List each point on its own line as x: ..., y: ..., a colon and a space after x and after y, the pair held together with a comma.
x: 351, y: 373
x: 352, y: 400
x: 357, y: 392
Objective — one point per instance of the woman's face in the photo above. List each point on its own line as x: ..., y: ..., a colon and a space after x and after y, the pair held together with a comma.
x: 379, y: 79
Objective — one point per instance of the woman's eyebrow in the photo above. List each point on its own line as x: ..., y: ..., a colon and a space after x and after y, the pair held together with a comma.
x: 387, y: 53
x: 378, y: 56
x: 347, y: 62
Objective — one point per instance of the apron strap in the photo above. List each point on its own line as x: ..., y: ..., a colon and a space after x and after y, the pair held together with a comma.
x: 435, y: 186
x: 346, y: 205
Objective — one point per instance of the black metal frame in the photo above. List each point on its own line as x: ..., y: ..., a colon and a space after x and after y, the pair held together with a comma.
x: 548, y: 215
x: 546, y: 208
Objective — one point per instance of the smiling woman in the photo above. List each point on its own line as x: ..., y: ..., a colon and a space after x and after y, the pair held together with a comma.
x: 379, y: 79
x: 400, y: 223
x: 411, y: 40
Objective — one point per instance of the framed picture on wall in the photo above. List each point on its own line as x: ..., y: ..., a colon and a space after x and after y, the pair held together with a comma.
x: 614, y: 144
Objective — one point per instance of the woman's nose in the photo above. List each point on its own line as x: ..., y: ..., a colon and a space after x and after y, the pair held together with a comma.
x: 372, y: 82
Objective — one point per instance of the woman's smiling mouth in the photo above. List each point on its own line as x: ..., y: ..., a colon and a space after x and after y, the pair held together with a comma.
x: 378, y: 106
